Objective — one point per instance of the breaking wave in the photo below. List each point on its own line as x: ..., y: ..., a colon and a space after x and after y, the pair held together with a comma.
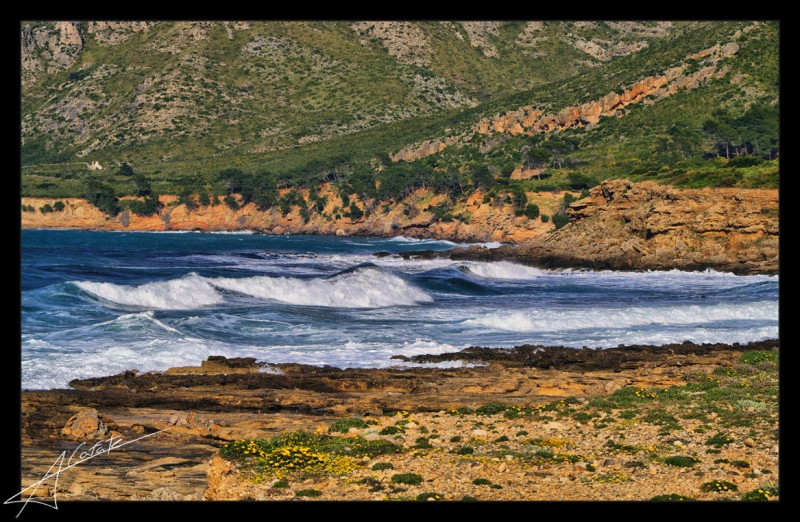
x: 544, y: 321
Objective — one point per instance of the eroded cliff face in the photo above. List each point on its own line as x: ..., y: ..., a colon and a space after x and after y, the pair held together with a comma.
x: 410, y: 217
x: 530, y: 120
x: 624, y: 225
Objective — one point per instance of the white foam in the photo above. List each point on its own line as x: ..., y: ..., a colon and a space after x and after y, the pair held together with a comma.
x: 184, y: 293
x: 559, y: 321
x: 361, y: 288
x: 505, y: 270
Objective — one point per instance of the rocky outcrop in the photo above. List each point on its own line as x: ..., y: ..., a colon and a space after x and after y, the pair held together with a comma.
x: 641, y: 226
x: 404, y: 40
x: 86, y: 424
x: 49, y: 48
x: 531, y: 119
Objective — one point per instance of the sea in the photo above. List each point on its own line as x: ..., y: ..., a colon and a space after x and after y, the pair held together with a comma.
x: 100, y: 303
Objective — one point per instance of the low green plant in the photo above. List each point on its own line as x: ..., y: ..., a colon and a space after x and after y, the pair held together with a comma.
x: 308, y: 493
x: 411, y: 479
x: 380, y: 466
x: 482, y: 482
x: 344, y: 425
x: 762, y: 494
x: 681, y: 461
x: 429, y: 495
x: 719, y: 440
x: 718, y: 486
x: 672, y: 497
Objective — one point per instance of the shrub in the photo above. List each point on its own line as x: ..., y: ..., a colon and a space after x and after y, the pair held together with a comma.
x: 282, y: 483
x: 58, y: 206
x: 422, y: 443
x: 559, y: 220
x: 392, y: 430
x: 545, y: 218
x: 455, y: 438
x: 380, y: 466
x: 308, y: 493
x: 681, y: 461
x: 46, y: 208
x: 102, y: 196
x: 355, y: 212
x: 482, y: 482
x: 464, y: 450
x: 532, y: 211
x: 231, y: 202
x: 411, y: 479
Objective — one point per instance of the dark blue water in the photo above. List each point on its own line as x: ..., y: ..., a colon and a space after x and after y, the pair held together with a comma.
x: 97, y: 303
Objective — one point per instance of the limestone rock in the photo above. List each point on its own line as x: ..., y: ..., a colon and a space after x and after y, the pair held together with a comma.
x: 86, y: 424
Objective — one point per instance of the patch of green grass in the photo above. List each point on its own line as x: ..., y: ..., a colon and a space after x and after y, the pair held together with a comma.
x: 344, y: 425
x: 380, y: 466
x: 282, y: 483
x: 502, y: 438
x: 755, y: 358
x: 584, y: 417
x: 492, y: 408
x: 762, y: 494
x: 614, y: 477
x: 661, y: 417
x: 461, y: 410
x: 391, y: 430
x: 411, y: 479
x: 464, y: 450
x: 740, y: 464
x: 308, y: 493
x: 522, y: 433
x: 482, y: 482
x: 455, y: 438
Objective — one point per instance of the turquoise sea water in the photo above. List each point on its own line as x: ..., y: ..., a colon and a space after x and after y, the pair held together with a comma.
x: 98, y: 303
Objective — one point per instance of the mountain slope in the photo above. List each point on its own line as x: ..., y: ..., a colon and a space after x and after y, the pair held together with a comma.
x: 295, y: 102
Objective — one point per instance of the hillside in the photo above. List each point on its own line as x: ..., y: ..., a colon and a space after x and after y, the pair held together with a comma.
x: 379, y: 110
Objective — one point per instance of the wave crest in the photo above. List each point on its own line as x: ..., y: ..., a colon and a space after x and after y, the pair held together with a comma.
x: 546, y: 321
x: 184, y: 293
x: 359, y: 288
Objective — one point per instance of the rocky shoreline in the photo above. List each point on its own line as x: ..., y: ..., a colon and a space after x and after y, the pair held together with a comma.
x: 619, y: 226
x: 204, y: 408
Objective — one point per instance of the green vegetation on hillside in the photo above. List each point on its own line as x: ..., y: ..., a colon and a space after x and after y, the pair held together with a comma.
x: 211, y: 109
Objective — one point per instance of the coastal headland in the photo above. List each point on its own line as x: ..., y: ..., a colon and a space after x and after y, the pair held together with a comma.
x: 618, y: 225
